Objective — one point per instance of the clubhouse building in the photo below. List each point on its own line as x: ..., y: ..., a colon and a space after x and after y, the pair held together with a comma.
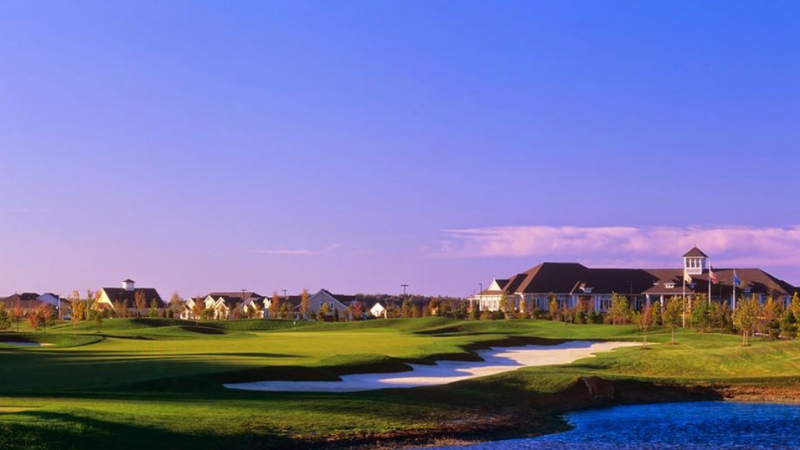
x: 572, y: 284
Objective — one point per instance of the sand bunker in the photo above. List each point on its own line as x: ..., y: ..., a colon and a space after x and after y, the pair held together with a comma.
x: 24, y: 344
x: 496, y: 360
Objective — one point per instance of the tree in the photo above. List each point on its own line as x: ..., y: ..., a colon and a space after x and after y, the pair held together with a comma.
x: 433, y: 307
x: 324, y: 310
x: 5, y: 318
x: 275, y: 306
x: 673, y: 313
x: 304, y: 304
x: 795, y: 306
x: 746, y: 318
x: 78, y: 310
x: 198, y: 308
x: 406, y: 309
x: 153, y: 312
x: 720, y: 317
x: 415, y: 312
x: 175, y: 304
x: 48, y: 316
x: 120, y: 310
x: 358, y: 310
x: 35, y: 319
x: 286, y: 311
x: 17, y: 314
x: 620, y: 309
x: 553, y: 308
x: 644, y: 320
x: 701, y: 315
x: 773, y: 311
x: 789, y: 325
x: 140, y: 301
x: 523, y: 310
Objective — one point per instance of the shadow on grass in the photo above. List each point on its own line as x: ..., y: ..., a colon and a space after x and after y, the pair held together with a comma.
x: 61, y: 431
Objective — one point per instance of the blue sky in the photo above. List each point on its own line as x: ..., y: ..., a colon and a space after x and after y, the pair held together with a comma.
x: 200, y: 146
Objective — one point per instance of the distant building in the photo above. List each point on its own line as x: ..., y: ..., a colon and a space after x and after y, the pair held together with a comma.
x: 126, y: 295
x: 571, y: 283
x: 30, y: 301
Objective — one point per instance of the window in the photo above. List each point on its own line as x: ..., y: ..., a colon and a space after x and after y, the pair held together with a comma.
x: 331, y: 305
x: 669, y: 285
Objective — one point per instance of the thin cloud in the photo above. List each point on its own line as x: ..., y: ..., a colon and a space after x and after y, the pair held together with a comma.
x: 730, y: 245
x: 301, y: 251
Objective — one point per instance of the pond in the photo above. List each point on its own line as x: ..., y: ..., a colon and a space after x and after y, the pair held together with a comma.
x: 700, y: 425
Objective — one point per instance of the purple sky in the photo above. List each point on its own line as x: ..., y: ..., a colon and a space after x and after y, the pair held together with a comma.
x: 199, y: 146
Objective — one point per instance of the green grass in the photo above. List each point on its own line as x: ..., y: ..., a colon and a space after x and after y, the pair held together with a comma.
x: 157, y: 383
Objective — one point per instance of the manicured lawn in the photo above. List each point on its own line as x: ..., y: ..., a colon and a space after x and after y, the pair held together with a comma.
x: 157, y: 384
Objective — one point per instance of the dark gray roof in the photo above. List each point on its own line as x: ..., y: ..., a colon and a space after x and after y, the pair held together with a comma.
x: 695, y: 253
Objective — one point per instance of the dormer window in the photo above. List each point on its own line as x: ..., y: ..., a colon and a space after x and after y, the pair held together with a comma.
x: 669, y: 285
x: 587, y: 290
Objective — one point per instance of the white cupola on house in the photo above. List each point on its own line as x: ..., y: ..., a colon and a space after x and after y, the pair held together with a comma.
x: 128, y: 284
x: 695, y: 261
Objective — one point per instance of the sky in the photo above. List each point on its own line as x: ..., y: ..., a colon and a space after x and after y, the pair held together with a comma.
x: 356, y: 146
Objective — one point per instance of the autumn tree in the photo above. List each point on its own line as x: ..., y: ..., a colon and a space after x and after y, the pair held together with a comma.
x: 415, y: 312
x: 553, y: 308
x: 324, y: 311
x: 772, y: 311
x: 644, y: 320
x: 673, y: 312
x: 175, y: 304
x: 5, y: 318
x: 74, y: 298
x: 17, y: 314
x: 140, y: 301
x: 405, y: 309
x: 358, y: 310
x: 286, y: 310
x: 78, y: 310
x: 275, y: 306
x: 120, y: 310
x: 198, y: 308
x: 620, y: 309
x: 794, y: 306
x: 35, y: 319
x: 746, y: 318
x: 304, y: 304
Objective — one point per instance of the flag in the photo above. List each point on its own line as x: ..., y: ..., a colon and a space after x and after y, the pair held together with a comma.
x: 687, y: 278
x: 736, y: 281
x: 712, y: 275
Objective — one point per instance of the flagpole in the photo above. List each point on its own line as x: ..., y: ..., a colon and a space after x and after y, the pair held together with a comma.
x: 709, y: 284
x: 733, y: 300
x: 683, y: 297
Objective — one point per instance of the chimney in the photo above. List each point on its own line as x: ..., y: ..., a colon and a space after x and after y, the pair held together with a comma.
x: 128, y: 284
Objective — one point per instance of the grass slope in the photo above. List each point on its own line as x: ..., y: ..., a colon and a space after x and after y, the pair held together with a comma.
x: 157, y: 383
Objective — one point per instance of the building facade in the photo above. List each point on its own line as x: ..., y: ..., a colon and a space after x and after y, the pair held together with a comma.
x: 572, y: 284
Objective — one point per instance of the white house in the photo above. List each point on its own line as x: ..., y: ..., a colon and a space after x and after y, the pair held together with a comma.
x: 378, y: 310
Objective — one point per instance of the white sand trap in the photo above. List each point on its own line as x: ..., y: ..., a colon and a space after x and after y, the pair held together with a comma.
x: 24, y: 344
x: 496, y: 360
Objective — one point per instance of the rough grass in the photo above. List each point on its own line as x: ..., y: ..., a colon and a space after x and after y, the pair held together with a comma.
x: 157, y: 383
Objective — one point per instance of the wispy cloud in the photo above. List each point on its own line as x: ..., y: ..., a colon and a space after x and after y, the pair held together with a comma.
x: 301, y: 251
x: 731, y: 245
